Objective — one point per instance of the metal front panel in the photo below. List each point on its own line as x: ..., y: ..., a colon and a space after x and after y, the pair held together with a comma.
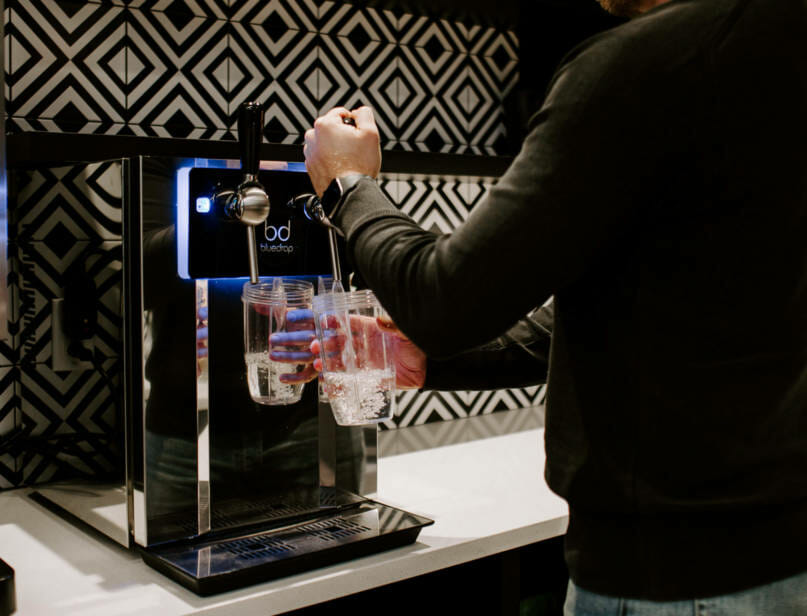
x: 203, y: 455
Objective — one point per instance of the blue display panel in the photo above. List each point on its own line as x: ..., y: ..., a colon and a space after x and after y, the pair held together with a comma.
x: 211, y: 245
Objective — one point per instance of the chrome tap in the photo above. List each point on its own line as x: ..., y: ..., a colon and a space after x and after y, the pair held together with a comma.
x: 248, y: 203
x: 311, y: 207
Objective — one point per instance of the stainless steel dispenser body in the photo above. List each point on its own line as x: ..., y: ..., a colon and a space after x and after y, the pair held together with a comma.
x: 220, y: 491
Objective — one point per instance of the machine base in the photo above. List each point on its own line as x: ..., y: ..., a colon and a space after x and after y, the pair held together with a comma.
x: 208, y: 566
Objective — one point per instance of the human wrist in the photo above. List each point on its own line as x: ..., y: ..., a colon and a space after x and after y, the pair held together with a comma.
x: 338, y: 190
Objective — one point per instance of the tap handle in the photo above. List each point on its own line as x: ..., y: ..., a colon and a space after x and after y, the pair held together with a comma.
x: 250, y: 136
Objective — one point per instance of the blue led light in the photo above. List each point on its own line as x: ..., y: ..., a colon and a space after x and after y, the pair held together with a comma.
x: 202, y: 205
x: 183, y: 216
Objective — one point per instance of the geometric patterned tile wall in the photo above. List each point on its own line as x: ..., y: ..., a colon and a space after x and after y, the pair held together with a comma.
x: 442, y: 433
x: 180, y: 68
x: 62, y: 221
x: 70, y: 422
x: 9, y: 422
x: 440, y: 204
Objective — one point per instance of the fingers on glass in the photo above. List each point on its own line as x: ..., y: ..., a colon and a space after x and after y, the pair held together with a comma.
x: 291, y: 357
x: 309, y: 373
x: 300, y: 338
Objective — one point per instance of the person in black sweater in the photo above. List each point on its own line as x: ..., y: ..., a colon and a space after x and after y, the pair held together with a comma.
x: 660, y: 199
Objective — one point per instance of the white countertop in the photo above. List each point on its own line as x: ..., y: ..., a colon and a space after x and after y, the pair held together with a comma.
x: 486, y: 495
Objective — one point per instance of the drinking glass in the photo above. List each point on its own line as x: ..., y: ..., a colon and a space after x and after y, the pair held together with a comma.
x: 265, y: 307
x: 358, y: 373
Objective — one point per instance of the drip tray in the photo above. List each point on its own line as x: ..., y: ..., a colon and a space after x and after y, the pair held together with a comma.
x: 208, y: 566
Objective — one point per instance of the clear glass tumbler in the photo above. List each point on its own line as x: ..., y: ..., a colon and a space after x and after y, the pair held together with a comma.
x: 265, y: 307
x: 358, y: 371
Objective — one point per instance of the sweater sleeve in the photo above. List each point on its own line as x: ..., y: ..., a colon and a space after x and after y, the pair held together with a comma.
x: 518, y: 358
x: 568, y: 196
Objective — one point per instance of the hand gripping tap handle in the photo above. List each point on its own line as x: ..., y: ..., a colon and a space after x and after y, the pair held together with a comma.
x: 250, y: 136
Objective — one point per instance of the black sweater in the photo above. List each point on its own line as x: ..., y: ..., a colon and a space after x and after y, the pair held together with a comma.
x: 661, y: 198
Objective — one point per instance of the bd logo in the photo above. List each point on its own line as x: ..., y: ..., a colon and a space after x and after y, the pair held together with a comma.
x: 273, y: 233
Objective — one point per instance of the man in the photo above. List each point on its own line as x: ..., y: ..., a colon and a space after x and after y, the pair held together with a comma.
x: 661, y: 198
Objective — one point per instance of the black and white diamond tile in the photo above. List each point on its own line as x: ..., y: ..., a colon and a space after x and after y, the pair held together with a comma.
x: 59, y: 205
x: 104, y: 265
x: 176, y: 74
x: 439, y: 36
x: 432, y: 100
x: 441, y: 204
x: 487, y: 41
x: 44, y: 274
x: 276, y: 14
x: 432, y: 71
x: 439, y: 114
x: 360, y: 72
x: 70, y: 420
x: 437, y: 203
x: 66, y: 65
x: 61, y: 216
x: 9, y: 425
x: 6, y: 55
x: 9, y: 355
x: 467, y: 110
x: 475, y: 189
x: 57, y: 126
x: 34, y: 321
x: 358, y: 23
x: 417, y: 408
x: 388, y: 182
x: 491, y: 78
x: 217, y: 9
x: 279, y: 68
x: 181, y: 68
x: 441, y: 433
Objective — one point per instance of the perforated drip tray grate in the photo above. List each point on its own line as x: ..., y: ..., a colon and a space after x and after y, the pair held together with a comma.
x: 208, y: 566
x: 280, y: 508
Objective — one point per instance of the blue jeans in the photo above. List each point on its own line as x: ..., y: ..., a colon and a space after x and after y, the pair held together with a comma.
x: 786, y: 597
